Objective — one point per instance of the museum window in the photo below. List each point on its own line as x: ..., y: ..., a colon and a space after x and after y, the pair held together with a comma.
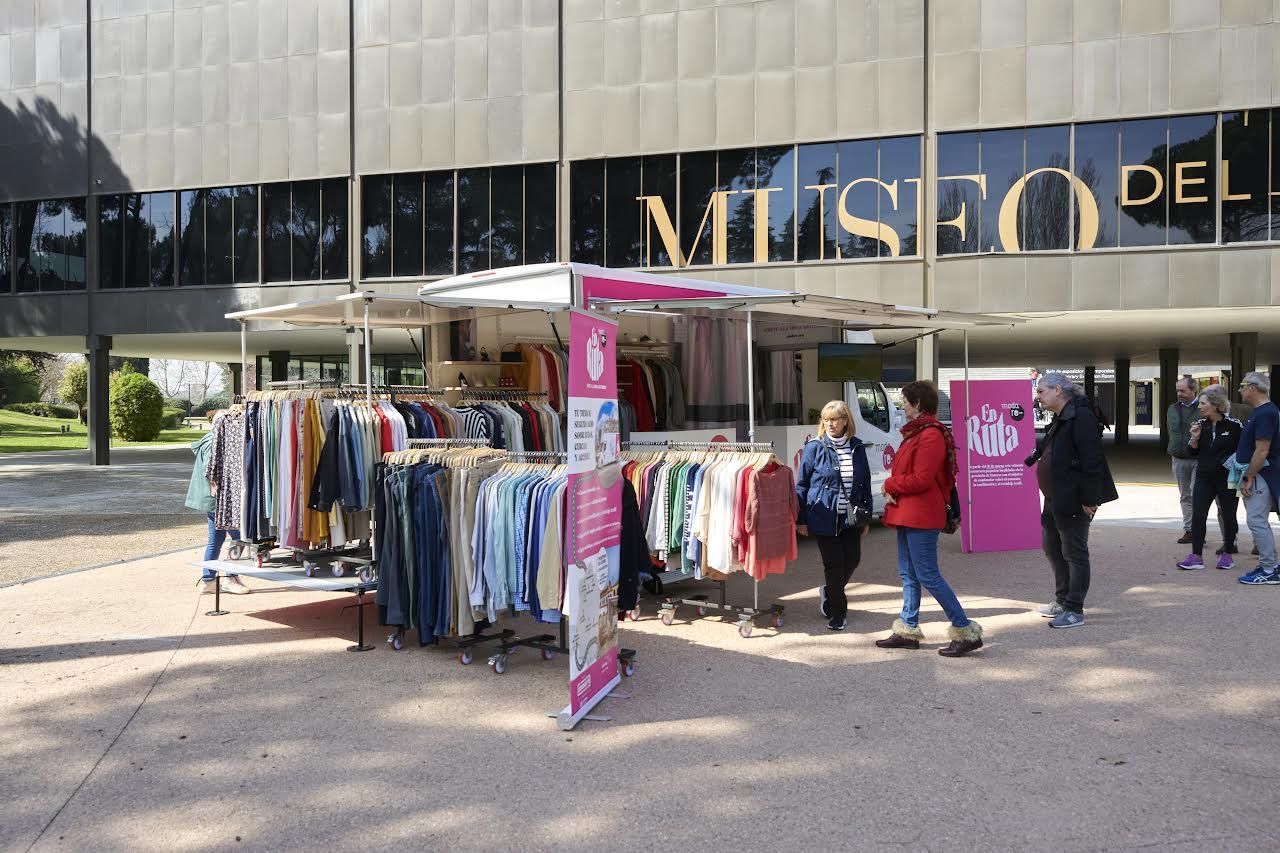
x: 48, y: 239
x: 958, y: 193
x: 1245, y: 178
x: 1045, y: 203
x: 623, y: 214
x: 6, y: 247
x: 210, y: 250
x: 1144, y: 182
x: 817, y: 193
x: 586, y: 205
x: 900, y: 168
x: 1096, y: 162
x: 303, y: 225
x: 775, y: 171
x: 1193, y: 185
x: 857, y: 198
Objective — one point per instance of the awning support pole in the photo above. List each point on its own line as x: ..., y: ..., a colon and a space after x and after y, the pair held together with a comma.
x: 751, y: 418
x: 368, y: 358
x: 751, y: 380
x: 244, y: 359
x: 968, y: 410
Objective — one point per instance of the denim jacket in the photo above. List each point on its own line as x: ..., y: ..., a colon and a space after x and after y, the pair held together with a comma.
x: 818, y: 486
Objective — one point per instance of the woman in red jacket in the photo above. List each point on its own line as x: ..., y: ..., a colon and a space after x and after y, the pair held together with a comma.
x: 916, y: 494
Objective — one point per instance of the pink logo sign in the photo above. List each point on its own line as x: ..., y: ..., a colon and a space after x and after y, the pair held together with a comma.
x: 887, y: 458
x: 595, y: 355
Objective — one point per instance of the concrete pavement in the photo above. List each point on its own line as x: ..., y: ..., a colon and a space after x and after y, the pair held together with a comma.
x: 132, y: 720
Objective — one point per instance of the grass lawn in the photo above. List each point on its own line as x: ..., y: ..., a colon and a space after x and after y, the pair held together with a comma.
x: 21, y: 433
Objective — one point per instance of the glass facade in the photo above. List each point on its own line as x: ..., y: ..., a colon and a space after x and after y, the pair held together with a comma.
x: 1127, y: 184
x: 1204, y: 179
x: 504, y: 215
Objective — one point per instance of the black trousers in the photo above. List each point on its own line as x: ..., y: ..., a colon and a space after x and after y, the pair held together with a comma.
x: 1205, y: 490
x: 840, y: 556
x: 1065, y: 539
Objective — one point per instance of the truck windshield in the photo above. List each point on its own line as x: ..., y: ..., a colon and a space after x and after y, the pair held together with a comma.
x: 874, y: 406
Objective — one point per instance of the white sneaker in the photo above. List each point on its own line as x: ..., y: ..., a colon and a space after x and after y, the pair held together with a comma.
x: 1050, y: 610
x: 205, y: 585
x: 233, y: 585
x: 822, y: 602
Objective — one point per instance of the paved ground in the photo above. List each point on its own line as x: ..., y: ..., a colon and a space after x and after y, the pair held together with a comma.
x: 132, y: 720
x: 58, y: 513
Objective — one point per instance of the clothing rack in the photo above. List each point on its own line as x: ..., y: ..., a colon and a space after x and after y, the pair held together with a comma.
x: 284, y: 384
x: 550, y: 645
x: 446, y: 443
x: 536, y: 455
x: 746, y: 616
x: 498, y: 394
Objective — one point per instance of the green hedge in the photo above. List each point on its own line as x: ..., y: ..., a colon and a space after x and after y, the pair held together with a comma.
x: 137, y: 408
x: 173, y: 417
x: 44, y: 410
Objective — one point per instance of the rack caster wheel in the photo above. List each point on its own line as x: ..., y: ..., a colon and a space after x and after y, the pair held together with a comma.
x: 465, y: 658
x: 396, y: 642
x: 702, y: 611
x: 629, y: 668
x: 744, y: 630
x: 499, y: 664
x: 777, y: 621
x: 634, y: 614
x: 548, y: 654
x: 309, y: 569
x: 367, y: 574
x: 236, y: 551
x: 668, y: 617
x: 338, y: 569
x: 260, y: 561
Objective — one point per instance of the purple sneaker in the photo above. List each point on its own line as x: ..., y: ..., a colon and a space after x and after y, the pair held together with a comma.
x: 1194, y: 561
x: 1225, y: 561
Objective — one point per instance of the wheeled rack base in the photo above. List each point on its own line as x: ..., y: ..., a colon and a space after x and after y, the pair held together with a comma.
x: 746, y: 616
x: 550, y: 646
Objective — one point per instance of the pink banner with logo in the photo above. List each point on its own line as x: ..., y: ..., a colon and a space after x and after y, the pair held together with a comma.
x: 594, y: 530
x: 995, y: 431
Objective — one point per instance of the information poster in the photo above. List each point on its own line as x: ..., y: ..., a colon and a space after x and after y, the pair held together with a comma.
x: 999, y: 498
x: 594, y: 531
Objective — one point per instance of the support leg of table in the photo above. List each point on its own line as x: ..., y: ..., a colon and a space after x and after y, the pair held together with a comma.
x: 360, y: 645
x: 217, y: 598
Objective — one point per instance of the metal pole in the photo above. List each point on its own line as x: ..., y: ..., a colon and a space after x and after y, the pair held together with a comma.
x: 968, y: 484
x: 751, y: 381
x: 368, y: 358
x: 244, y: 359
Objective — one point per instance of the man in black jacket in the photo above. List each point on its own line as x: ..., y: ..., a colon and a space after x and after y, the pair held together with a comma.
x: 1075, y: 480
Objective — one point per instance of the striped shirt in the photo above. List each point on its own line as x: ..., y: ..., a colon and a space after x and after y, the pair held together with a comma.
x: 844, y: 453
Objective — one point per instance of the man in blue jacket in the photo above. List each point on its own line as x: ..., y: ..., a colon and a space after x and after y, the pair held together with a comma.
x: 1260, y: 450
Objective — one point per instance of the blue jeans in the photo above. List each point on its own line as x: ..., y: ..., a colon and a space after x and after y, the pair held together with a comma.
x: 213, y: 549
x: 918, y: 566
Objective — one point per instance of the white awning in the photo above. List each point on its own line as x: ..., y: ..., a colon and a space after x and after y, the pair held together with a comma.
x: 852, y: 314
x: 390, y: 310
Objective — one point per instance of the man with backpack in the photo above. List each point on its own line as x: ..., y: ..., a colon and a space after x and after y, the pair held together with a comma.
x: 1075, y: 480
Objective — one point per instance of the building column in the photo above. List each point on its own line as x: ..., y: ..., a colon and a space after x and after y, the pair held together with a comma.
x: 1244, y: 359
x: 1273, y: 373
x: 237, y: 378
x: 1122, y: 401
x: 279, y: 365
x: 99, y: 403
x: 927, y: 358
x: 1090, y: 385
x: 355, y: 355
x: 1168, y: 392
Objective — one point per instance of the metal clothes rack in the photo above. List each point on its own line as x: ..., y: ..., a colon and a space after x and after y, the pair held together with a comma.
x: 498, y: 394
x: 551, y: 645
x: 536, y: 455
x: 746, y: 616
x: 446, y: 443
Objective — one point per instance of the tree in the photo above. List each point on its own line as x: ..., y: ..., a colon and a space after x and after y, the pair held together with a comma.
x: 137, y: 407
x: 51, y: 378
x: 19, y: 381
x: 74, y: 388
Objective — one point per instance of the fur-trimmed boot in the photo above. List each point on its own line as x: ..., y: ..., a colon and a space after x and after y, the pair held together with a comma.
x: 904, y: 636
x: 963, y: 640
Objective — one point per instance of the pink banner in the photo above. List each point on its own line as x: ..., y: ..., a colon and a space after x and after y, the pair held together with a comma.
x: 999, y: 498
x: 594, y: 531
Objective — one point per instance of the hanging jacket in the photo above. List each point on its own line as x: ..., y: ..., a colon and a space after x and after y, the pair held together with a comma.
x: 818, y: 486
x: 634, y: 556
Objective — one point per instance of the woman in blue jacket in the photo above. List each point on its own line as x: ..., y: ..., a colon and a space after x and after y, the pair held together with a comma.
x: 834, y: 491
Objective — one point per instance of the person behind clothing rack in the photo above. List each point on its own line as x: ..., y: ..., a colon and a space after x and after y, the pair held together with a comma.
x: 916, y: 494
x: 834, y: 499
x: 201, y: 496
